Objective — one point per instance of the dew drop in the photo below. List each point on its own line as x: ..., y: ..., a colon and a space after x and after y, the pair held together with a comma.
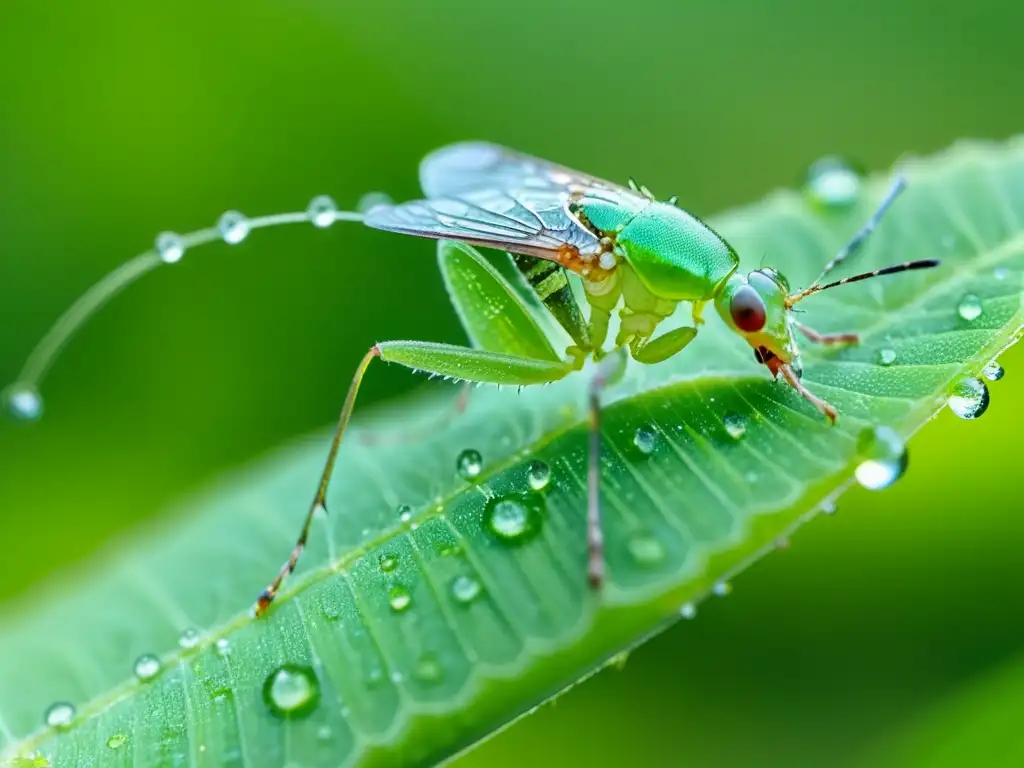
x: 170, y: 247
x: 146, y: 667
x: 688, y: 611
x: 428, y: 669
x: 188, y: 639
x: 23, y: 402
x: 538, y: 475
x: 512, y: 519
x: 233, y: 227
x: 883, y: 458
x: 404, y: 513
x: 832, y: 182
x: 399, y: 598
x: 886, y: 356
x: 722, y: 588
x: 222, y: 647
x: 465, y: 589
x: 59, y: 715
x: 969, y: 307
x: 969, y: 399
x: 291, y: 690
x: 644, y: 440
x: 372, y: 200
x: 469, y: 464
x: 829, y: 508
x: 993, y: 371
x: 645, y: 549
x: 321, y: 211
x: 735, y: 425
x: 387, y: 563
x: 117, y: 740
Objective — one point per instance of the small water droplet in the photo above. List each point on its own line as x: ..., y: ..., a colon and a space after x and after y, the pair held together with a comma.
x: 188, y: 639
x: 969, y: 307
x: 832, y: 182
x: 169, y: 247
x: 645, y: 439
x: 883, y: 458
x: 372, y: 200
x: 291, y: 690
x: 645, y: 549
x: 399, y: 598
x: 969, y: 399
x: 321, y: 210
x: 428, y: 669
x: 146, y: 667
x: 688, y: 611
x: 993, y: 371
x: 396, y: 677
x: 117, y: 740
x: 222, y: 647
x: 387, y: 563
x: 1000, y: 273
x: 722, y: 588
x: 469, y: 464
x: 829, y: 507
x: 513, y: 519
x: 886, y: 356
x: 23, y: 402
x: 782, y: 543
x: 404, y: 513
x: 735, y: 425
x: 59, y: 715
x: 465, y: 588
x: 233, y: 227
x: 538, y: 475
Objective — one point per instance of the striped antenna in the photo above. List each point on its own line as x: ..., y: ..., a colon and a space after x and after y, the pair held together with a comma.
x: 904, y: 267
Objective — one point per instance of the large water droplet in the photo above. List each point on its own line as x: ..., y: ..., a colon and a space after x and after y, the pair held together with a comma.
x: 399, y: 598
x: 428, y: 669
x: 646, y: 550
x: 538, y: 475
x: 233, y: 227
x: 372, y: 200
x: 969, y: 399
x: 469, y: 464
x: 146, y: 667
x: 116, y: 740
x: 969, y: 307
x: 23, y: 402
x: 688, y: 611
x: 465, y: 589
x: 832, y: 182
x: 188, y: 639
x: 645, y: 439
x: 59, y: 715
x: 883, y: 458
x: 387, y: 562
x: 886, y: 356
x: 291, y: 690
x: 512, y: 519
x: 170, y: 247
x: 321, y: 210
x: 993, y: 371
x: 735, y: 425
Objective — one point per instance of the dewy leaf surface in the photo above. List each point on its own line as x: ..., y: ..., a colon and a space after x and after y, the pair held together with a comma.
x: 426, y: 630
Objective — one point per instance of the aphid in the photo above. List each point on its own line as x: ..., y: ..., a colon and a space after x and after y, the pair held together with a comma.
x: 630, y: 251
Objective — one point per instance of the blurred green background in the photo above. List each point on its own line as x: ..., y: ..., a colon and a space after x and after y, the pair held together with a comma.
x: 119, y: 120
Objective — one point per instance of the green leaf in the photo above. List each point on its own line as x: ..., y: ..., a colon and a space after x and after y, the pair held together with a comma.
x: 425, y: 628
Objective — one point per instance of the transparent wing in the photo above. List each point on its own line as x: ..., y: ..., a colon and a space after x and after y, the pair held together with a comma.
x: 492, y: 196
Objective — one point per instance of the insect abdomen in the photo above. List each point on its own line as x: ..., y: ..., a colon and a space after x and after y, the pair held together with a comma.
x: 549, y: 282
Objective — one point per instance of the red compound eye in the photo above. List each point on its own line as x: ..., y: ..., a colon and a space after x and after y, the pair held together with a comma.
x: 748, y: 310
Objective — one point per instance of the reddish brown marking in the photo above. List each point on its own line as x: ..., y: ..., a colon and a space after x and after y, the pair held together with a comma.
x: 569, y: 257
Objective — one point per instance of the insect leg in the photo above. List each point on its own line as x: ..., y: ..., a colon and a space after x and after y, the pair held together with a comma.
x: 549, y: 281
x: 665, y: 346
x: 794, y: 381
x: 609, y: 370
x: 827, y: 338
x: 320, y: 499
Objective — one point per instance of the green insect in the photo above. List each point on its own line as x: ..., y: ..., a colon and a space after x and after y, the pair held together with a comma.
x: 629, y: 251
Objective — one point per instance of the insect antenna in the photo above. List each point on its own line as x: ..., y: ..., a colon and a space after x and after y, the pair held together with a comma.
x: 895, y: 268
x: 169, y: 248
